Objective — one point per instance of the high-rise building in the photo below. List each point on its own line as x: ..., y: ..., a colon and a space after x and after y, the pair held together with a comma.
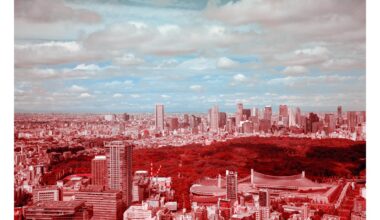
x: 246, y: 114
x: 119, y: 167
x: 282, y: 111
x: 214, y: 117
x: 160, y: 117
x: 173, y: 123
x: 292, y: 117
x: 351, y: 120
x: 255, y: 112
x: 268, y: 113
x: 239, y: 114
x: 99, y: 171
x: 231, y: 185
x: 298, y: 116
x: 264, y: 198
x: 340, y: 115
x: 330, y: 122
x: 107, y: 204
x: 222, y: 119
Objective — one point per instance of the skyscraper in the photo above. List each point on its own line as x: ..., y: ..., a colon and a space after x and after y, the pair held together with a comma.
x: 99, y: 171
x: 239, y: 113
x: 119, y: 167
x: 298, y: 116
x: 340, y: 116
x: 268, y: 113
x: 214, y: 123
x: 231, y: 185
x: 222, y: 119
x: 160, y: 117
x: 264, y: 198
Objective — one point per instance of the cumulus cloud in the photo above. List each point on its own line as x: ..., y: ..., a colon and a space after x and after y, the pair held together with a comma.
x: 295, y: 70
x: 226, y: 63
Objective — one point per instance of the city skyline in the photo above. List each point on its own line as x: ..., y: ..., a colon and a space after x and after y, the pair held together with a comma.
x: 127, y: 56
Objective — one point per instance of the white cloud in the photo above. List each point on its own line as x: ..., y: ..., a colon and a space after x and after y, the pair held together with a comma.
x: 90, y: 67
x: 52, y: 52
x: 165, y: 96
x: 225, y: 62
x: 200, y: 63
x: 295, y: 70
x: 240, y: 78
x: 135, y: 96
x: 76, y: 88
x: 128, y: 60
x: 196, y: 88
x: 85, y: 95
x: 117, y: 95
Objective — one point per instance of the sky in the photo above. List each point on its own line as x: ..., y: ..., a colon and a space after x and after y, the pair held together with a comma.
x: 128, y: 55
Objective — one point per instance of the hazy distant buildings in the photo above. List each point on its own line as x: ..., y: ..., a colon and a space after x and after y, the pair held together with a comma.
x: 119, y: 167
x: 160, y: 117
x: 99, y: 171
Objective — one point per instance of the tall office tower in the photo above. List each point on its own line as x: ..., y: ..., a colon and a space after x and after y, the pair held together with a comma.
x: 339, y: 111
x: 330, y: 122
x: 160, y: 117
x: 298, y: 116
x: 313, y: 122
x: 292, y: 117
x: 214, y: 117
x: 282, y: 112
x: 340, y: 115
x: 173, y: 123
x: 194, y: 122
x: 99, y: 171
x: 230, y: 126
x: 351, y: 120
x: 255, y: 112
x: 268, y: 113
x: 222, y: 119
x: 231, y: 185
x: 264, y: 198
x: 246, y: 114
x: 119, y: 167
x: 239, y: 114
x: 107, y: 204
